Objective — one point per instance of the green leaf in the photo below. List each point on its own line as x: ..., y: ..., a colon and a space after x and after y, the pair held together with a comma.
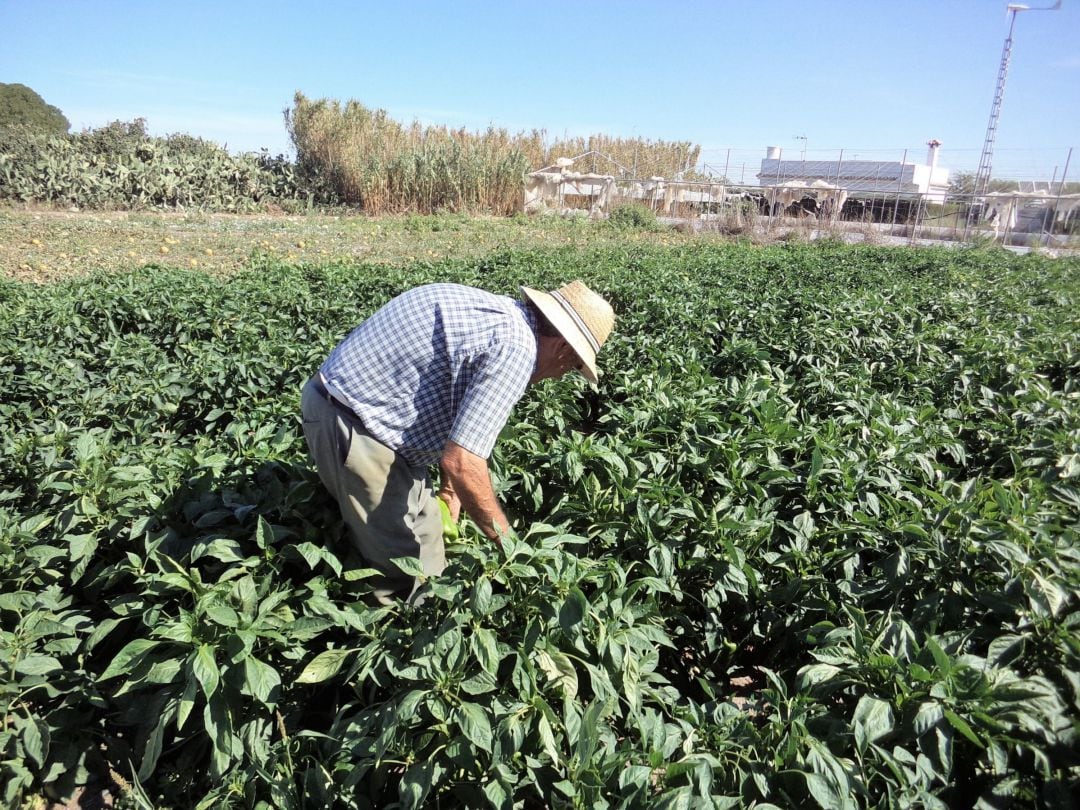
x: 637, y: 777
x: 219, y: 728
x: 958, y: 722
x: 100, y: 633
x: 804, y: 524
x: 324, y: 666
x: 573, y: 611
x: 475, y: 725
x: 941, y: 658
x: 187, y: 701
x: 415, y: 784
x: 215, y: 517
x: 601, y: 683
x: 1003, y: 650
x: 86, y: 447
x: 222, y: 549
x: 590, y: 731
x: 35, y: 740
x: 570, y: 791
x: 261, y: 680
x: 479, y: 684
x: 264, y: 534
x: 559, y: 669
x: 222, y: 614
x: 32, y: 525
x: 486, y: 650
x: 82, y: 548
x: 204, y: 668
x: 497, y: 794
x: 873, y: 720
x: 37, y: 664
x: 547, y: 739
x: 927, y: 716
x: 357, y: 574
x: 631, y: 681
x: 129, y: 658
x: 152, y: 750
x: 410, y: 566
x: 823, y: 792
x: 481, y: 595
x: 314, y: 554
x: 919, y: 673
x: 308, y: 627
x: 132, y: 475
x: 817, y: 673
x: 166, y: 671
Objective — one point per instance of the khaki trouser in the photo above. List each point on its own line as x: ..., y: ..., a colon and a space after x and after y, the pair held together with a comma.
x: 387, y: 504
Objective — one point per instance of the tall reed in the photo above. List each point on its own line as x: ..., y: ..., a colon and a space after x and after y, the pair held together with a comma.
x: 382, y: 166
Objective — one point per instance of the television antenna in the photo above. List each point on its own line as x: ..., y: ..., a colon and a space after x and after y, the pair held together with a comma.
x: 982, y: 176
x: 803, y: 139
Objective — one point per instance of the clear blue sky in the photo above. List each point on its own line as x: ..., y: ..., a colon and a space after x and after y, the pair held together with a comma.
x: 870, y: 77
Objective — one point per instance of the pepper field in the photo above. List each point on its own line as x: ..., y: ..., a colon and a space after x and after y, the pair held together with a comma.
x: 811, y: 542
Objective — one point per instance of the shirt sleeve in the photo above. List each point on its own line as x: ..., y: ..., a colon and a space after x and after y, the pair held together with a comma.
x: 498, y: 379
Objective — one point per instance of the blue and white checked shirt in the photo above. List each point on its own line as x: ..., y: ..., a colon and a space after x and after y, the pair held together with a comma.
x: 439, y: 362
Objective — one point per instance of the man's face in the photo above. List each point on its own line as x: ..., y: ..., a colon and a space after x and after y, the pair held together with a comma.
x: 554, y: 357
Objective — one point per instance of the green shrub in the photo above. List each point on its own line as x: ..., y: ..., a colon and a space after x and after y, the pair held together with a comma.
x: 120, y: 166
x: 633, y: 216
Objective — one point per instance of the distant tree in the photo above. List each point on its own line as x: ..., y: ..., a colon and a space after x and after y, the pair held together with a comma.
x: 962, y: 184
x: 22, y: 107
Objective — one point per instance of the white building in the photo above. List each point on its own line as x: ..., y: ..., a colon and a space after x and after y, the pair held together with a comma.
x: 861, y: 177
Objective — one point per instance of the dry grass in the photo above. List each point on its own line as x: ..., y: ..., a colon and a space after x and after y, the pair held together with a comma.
x: 47, y: 245
x: 44, y: 246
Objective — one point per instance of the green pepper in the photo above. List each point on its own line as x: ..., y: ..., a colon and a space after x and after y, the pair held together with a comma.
x: 449, y: 526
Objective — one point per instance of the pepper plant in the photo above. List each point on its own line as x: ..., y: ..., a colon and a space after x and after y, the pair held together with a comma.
x: 812, y: 541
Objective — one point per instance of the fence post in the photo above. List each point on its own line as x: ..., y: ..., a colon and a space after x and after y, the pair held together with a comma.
x: 899, y: 188
x: 776, y: 182
x: 918, y: 216
x: 1014, y: 213
x: 1057, y: 200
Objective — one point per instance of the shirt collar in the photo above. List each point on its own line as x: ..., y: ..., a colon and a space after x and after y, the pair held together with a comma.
x: 530, y: 317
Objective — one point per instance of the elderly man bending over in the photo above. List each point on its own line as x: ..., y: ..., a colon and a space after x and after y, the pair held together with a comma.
x: 432, y: 377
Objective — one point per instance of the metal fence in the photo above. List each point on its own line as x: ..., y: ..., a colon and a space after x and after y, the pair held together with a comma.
x: 1021, y: 169
x: 841, y: 192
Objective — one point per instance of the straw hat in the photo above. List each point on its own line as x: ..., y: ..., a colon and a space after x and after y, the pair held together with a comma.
x: 582, y: 317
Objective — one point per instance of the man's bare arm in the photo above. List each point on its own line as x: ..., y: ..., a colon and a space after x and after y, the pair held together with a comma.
x: 467, y: 481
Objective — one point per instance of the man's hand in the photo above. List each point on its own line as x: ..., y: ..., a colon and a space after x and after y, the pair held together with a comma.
x: 466, y: 479
x: 450, y: 498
